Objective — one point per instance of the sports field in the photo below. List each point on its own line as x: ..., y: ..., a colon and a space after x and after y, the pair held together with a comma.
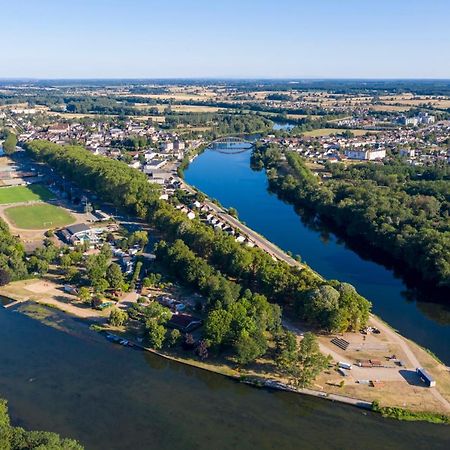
x: 38, y: 217
x: 18, y: 194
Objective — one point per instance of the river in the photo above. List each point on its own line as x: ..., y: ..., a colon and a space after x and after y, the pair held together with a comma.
x: 229, y: 179
x: 72, y: 381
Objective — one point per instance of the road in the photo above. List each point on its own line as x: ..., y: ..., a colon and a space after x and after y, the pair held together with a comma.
x: 259, y: 240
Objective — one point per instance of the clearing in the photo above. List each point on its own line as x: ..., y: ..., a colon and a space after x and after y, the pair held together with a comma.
x: 327, y: 131
x: 19, y: 194
x: 38, y: 217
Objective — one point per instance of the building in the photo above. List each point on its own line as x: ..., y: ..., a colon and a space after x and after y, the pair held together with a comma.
x: 166, y: 146
x: 407, y: 152
x: 425, y: 377
x: 184, y: 322
x: 365, y: 155
x: 411, y: 121
x: 154, y: 164
x: 81, y: 233
x: 426, y: 119
x: 58, y: 128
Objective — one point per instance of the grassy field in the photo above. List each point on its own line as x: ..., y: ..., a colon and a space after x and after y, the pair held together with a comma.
x: 328, y: 131
x: 18, y: 194
x: 38, y: 217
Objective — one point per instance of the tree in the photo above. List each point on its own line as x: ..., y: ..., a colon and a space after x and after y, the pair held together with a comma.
x: 202, y: 349
x: 10, y: 143
x: 84, y: 294
x: 114, y: 276
x: 5, y: 277
x: 320, y: 306
x: 5, y: 427
x: 96, y: 266
x: 16, y: 438
x: 250, y: 347
x: 310, y: 361
x: 173, y: 337
x: 100, y: 285
x: 217, y: 326
x: 156, y: 333
x: 138, y: 238
x: 117, y: 317
x: 287, y: 349
x: 39, y: 266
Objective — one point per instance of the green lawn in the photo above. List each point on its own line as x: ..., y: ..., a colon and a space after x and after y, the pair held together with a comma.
x: 38, y: 217
x: 18, y: 194
x: 327, y: 131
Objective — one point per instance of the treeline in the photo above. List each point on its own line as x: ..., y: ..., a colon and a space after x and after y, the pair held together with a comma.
x: 221, y: 124
x: 16, y: 438
x: 12, y: 256
x: 113, y: 181
x: 400, y: 209
x: 205, y: 253
x: 329, y: 305
x: 102, y: 105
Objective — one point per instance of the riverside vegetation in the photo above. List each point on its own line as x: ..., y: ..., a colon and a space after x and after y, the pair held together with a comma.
x: 16, y: 438
x: 400, y: 209
x: 244, y: 287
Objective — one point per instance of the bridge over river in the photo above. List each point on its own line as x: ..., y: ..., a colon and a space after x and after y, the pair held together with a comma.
x: 231, y: 144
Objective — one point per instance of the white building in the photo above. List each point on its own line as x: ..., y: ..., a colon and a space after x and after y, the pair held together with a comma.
x: 365, y: 155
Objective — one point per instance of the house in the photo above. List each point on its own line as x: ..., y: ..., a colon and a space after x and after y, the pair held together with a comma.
x: 101, y: 216
x: 81, y: 233
x: 154, y: 164
x: 58, y: 128
x: 408, y: 153
x: 184, y: 322
x: 166, y: 146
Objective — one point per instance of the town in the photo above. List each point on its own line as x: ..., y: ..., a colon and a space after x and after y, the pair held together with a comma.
x: 94, y: 196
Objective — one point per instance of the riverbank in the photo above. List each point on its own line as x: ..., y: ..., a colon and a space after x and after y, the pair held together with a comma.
x: 389, y: 393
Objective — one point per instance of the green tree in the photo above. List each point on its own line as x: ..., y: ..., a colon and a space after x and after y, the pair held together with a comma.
x: 156, y: 333
x: 5, y: 427
x: 84, y: 294
x: 117, y: 317
x: 173, y: 337
x: 114, y: 276
x: 10, y: 143
x: 100, y: 285
x: 217, y: 326
x: 37, y: 265
x: 287, y: 351
x: 250, y: 347
x: 310, y: 361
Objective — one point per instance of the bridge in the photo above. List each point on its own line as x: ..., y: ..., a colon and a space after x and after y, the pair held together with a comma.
x: 231, y: 144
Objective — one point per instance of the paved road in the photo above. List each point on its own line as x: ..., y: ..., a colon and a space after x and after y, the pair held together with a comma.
x: 409, y: 354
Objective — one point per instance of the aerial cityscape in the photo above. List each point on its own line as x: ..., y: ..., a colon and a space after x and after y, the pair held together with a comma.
x: 225, y: 225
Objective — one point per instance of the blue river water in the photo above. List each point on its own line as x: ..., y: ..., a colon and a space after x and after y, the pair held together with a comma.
x: 229, y: 179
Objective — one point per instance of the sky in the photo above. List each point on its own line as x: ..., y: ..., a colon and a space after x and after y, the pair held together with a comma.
x: 225, y: 39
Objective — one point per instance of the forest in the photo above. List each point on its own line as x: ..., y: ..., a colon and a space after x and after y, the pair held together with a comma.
x: 400, y: 209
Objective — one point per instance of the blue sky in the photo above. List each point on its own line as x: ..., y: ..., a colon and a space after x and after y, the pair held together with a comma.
x: 225, y: 38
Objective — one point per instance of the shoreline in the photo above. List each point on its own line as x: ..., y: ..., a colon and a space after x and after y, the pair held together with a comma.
x: 252, y: 379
